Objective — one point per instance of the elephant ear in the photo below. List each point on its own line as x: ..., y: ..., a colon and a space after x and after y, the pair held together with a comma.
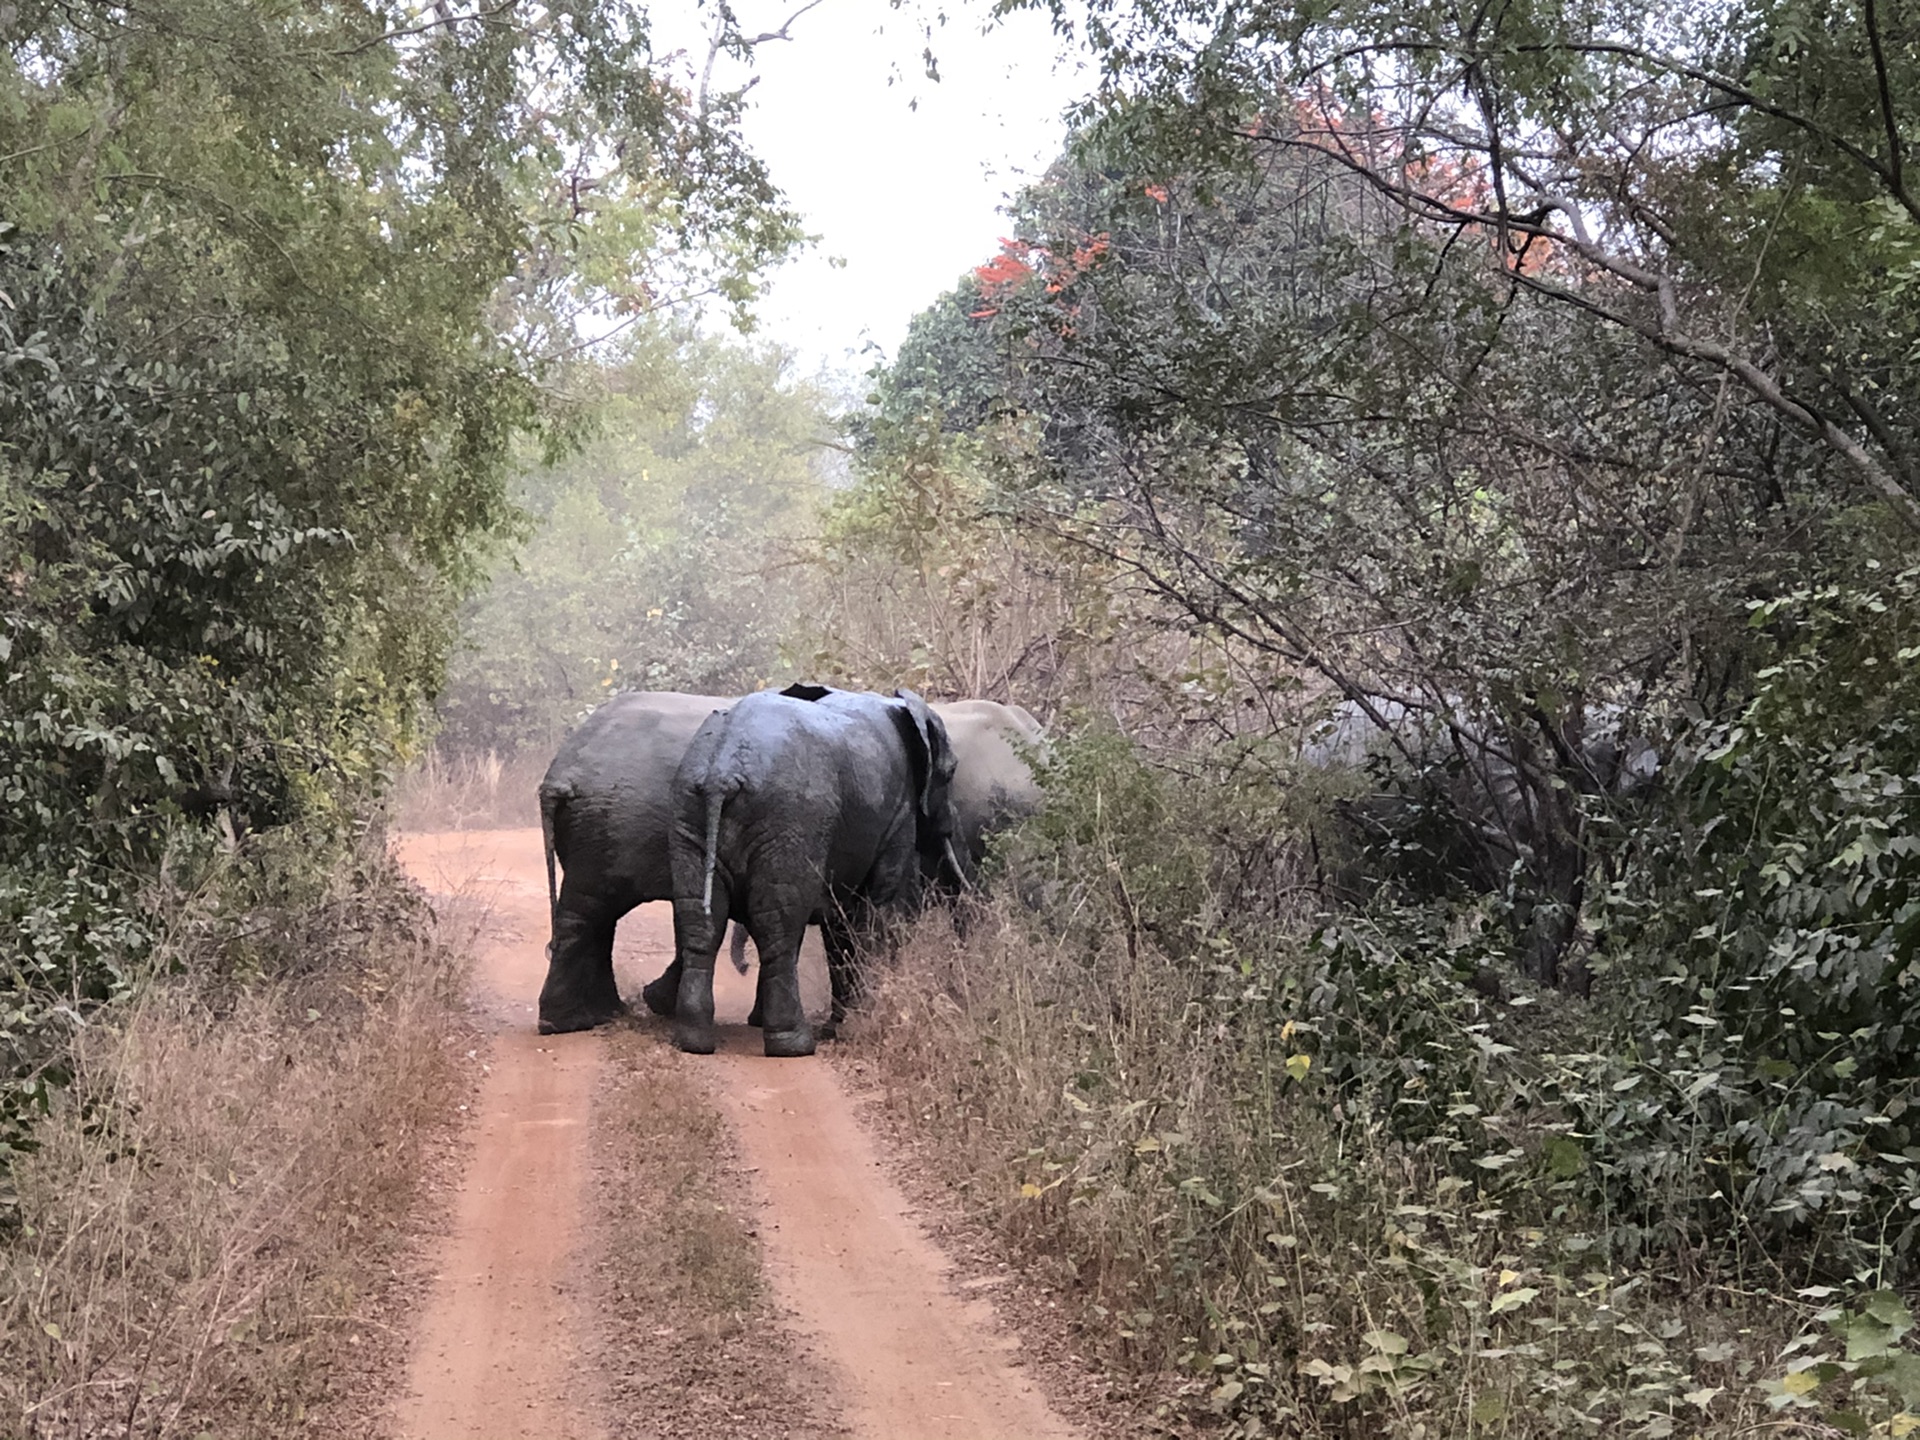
x: 934, y: 763
x: 803, y: 691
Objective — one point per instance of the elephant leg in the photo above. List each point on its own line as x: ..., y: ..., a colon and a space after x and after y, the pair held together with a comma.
x: 580, y: 992
x: 697, y: 934
x: 664, y: 992
x: 843, y: 969
x: 785, y: 1031
x: 756, y: 1018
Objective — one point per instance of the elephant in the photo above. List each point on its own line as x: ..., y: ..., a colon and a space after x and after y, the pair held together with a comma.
x: 803, y: 806
x: 605, y: 809
x: 993, y: 784
x: 1513, y: 795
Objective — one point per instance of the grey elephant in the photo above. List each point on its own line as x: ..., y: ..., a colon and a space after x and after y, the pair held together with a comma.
x: 993, y: 783
x: 809, y: 805
x: 1516, y: 789
x: 606, y: 807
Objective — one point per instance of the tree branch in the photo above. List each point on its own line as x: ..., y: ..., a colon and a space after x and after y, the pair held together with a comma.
x: 1894, y: 162
x: 1667, y: 334
x: 443, y: 17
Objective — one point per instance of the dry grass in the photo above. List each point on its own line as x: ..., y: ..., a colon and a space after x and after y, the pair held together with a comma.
x: 1103, y: 1115
x: 470, y: 792
x: 692, y: 1343
x: 221, y: 1191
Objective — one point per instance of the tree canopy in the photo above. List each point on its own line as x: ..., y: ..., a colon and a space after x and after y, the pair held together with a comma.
x: 666, y: 551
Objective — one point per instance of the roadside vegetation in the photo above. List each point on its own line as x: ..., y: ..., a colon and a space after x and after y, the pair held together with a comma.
x: 1448, y: 480
x: 287, y: 296
x: 1542, y: 1064
x: 204, y: 1238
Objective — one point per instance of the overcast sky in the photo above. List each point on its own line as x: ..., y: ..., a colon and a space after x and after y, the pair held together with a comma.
x: 900, y: 177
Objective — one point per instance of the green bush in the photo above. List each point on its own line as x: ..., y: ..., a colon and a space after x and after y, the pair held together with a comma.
x: 1762, y: 947
x: 1294, y: 1156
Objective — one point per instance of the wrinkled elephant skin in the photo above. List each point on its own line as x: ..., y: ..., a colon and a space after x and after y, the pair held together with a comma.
x: 607, y: 808
x: 809, y: 804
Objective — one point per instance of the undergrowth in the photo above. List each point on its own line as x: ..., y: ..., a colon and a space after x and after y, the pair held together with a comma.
x: 1306, y: 1153
x: 469, y: 791
x: 215, y: 1193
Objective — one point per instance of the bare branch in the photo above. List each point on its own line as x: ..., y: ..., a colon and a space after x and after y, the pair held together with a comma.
x: 443, y: 17
x: 785, y: 25
x: 1668, y: 334
x: 723, y: 40
x: 1887, y: 172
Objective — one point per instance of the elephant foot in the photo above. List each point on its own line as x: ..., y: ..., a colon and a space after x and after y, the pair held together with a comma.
x: 583, y: 1019
x: 694, y: 1039
x: 789, y: 1044
x: 754, y: 1018
x: 830, y: 1030
x: 662, y: 998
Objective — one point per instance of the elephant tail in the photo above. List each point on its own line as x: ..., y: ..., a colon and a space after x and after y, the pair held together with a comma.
x: 716, y: 801
x: 550, y: 801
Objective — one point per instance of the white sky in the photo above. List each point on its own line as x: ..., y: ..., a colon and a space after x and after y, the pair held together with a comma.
x: 900, y: 177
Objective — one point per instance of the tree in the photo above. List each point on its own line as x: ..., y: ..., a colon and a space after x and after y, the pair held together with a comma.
x: 662, y: 551
x: 279, y: 291
x: 1739, y: 169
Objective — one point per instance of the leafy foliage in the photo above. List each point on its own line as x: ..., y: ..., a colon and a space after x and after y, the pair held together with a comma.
x: 278, y: 290
x: 1726, y: 183
x: 1764, y: 941
x: 1535, y: 385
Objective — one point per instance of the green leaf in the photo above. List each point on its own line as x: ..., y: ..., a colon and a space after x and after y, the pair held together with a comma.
x: 1511, y: 1299
x: 1565, y: 1158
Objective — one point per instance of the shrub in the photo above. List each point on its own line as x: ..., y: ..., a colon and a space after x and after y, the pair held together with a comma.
x: 1762, y: 946
x: 1302, y: 1154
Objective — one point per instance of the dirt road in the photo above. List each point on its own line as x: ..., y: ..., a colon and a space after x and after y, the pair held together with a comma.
x: 493, y: 1358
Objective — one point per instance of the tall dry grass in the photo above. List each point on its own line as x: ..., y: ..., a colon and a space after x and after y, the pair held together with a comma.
x: 470, y: 792
x: 1140, y: 1130
x: 222, y: 1188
